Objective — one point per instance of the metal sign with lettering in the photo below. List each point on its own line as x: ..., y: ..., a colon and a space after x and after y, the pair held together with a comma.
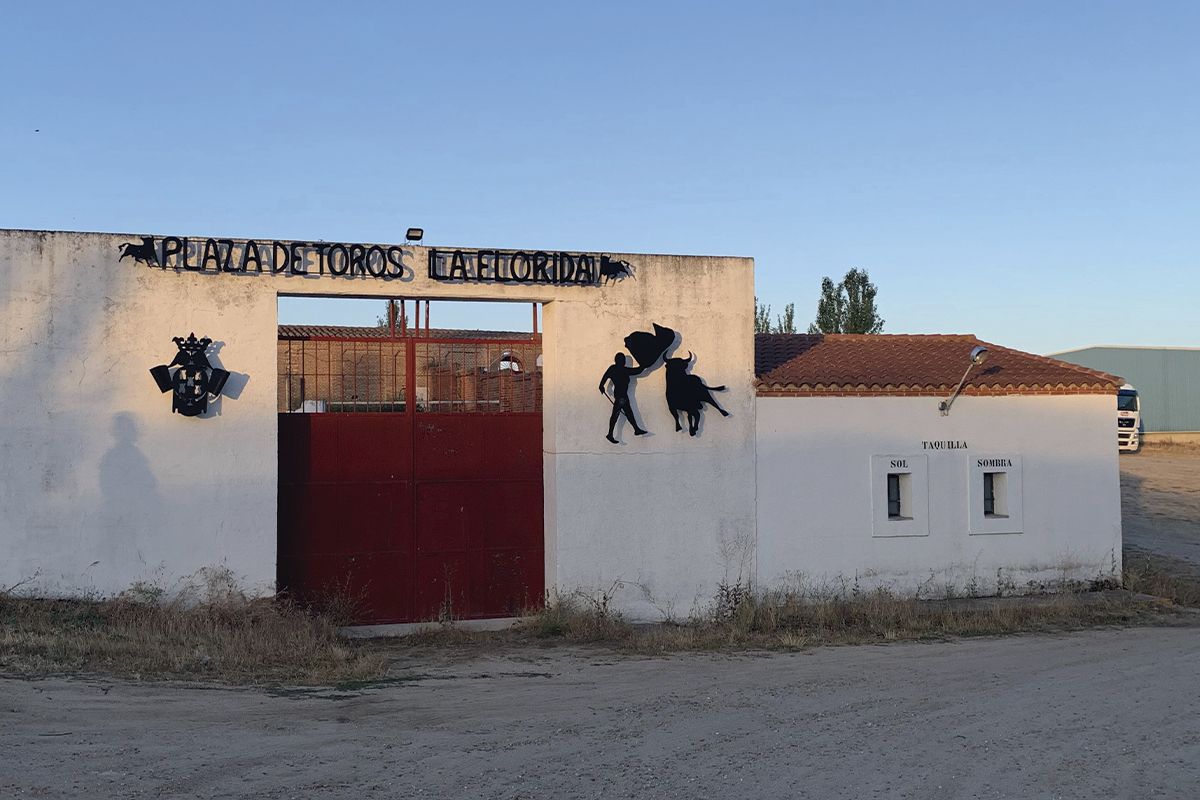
x: 183, y: 253
x: 384, y: 262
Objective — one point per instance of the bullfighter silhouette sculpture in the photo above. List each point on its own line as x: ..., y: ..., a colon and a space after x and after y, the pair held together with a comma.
x: 688, y: 393
x: 620, y: 376
x: 647, y: 348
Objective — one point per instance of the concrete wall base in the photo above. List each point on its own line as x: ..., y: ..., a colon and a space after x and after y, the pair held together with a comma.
x: 409, y: 628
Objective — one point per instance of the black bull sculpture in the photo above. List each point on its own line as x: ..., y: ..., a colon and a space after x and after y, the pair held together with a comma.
x: 688, y: 393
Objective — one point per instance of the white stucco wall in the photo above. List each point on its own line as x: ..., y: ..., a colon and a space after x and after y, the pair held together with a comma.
x: 102, y: 486
x: 659, y: 520
x: 815, y: 492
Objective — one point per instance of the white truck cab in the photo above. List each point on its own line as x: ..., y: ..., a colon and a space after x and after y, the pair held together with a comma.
x: 1128, y: 419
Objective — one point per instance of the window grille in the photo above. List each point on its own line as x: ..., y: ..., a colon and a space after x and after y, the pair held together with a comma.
x: 893, y: 492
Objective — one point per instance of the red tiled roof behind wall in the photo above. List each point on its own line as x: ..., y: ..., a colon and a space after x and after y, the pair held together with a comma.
x: 379, y: 332
x: 819, y: 365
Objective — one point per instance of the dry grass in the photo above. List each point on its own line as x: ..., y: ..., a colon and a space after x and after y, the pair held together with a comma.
x: 228, y: 638
x: 1173, y: 582
x: 232, y: 640
x: 789, y: 621
x: 1180, y: 447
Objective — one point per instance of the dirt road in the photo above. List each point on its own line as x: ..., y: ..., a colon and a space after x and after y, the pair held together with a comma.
x: 1160, y: 503
x: 1091, y: 714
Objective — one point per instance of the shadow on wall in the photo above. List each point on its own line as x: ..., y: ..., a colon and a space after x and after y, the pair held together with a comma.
x: 129, y: 493
x: 108, y: 503
x: 233, y: 387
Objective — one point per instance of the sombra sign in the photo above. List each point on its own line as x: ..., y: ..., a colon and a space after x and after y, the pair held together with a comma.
x: 193, y: 380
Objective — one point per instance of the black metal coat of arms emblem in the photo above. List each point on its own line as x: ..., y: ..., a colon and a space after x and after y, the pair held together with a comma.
x: 193, y: 380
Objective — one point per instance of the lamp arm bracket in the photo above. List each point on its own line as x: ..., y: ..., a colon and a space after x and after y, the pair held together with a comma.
x: 944, y: 406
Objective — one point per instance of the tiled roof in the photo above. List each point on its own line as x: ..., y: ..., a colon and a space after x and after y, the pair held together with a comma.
x: 374, y: 332
x: 903, y: 364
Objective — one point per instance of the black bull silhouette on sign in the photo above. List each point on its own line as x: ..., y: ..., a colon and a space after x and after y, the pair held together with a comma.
x: 614, y: 269
x: 688, y: 393
x: 143, y: 252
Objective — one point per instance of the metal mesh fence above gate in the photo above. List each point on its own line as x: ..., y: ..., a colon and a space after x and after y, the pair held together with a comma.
x: 474, y: 377
x: 324, y: 375
x: 356, y: 375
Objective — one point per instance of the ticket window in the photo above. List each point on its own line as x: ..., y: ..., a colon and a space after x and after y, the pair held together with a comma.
x: 900, y: 495
x: 995, y: 494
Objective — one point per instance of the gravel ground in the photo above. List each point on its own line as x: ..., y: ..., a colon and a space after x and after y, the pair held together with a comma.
x: 1160, y: 504
x: 1101, y: 713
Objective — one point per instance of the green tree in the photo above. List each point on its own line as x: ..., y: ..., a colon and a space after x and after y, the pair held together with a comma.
x: 847, y: 306
x: 786, y: 322
x: 861, y: 314
x: 762, y: 317
x: 831, y: 309
x: 391, y: 311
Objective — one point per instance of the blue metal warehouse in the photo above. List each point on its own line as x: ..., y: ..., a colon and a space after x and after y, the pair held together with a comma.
x: 1167, y: 380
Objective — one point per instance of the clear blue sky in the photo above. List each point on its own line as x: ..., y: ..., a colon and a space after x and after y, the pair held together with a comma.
x: 1026, y: 171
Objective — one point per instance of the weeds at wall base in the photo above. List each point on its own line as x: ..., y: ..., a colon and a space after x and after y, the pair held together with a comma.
x: 1174, y: 582
x: 232, y: 639
x: 257, y: 641
x: 741, y: 619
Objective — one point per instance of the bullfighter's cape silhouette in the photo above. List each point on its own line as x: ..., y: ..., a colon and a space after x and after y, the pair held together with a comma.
x: 647, y: 348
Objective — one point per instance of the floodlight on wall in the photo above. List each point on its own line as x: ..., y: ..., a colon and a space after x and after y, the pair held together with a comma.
x: 414, y: 234
x: 978, y: 356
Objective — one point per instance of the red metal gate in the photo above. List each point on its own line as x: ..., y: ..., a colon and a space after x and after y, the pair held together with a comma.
x: 410, y: 472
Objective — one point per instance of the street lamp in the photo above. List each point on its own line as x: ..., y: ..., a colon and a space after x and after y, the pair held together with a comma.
x: 978, y: 356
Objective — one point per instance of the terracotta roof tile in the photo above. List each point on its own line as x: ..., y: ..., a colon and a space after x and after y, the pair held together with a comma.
x: 907, y: 364
x: 373, y: 332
